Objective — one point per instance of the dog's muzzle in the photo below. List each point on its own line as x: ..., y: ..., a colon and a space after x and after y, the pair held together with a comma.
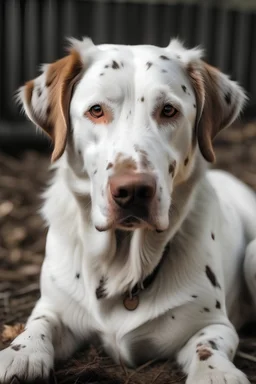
x: 131, y: 196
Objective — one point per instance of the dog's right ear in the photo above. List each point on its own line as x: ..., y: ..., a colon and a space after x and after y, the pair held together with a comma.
x: 46, y: 99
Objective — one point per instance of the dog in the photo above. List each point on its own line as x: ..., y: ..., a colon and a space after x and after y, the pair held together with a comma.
x: 147, y: 250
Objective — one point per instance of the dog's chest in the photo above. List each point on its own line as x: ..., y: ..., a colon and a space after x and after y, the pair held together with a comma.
x: 157, y: 338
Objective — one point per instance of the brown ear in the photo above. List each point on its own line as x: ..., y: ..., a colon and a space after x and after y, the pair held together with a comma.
x: 219, y: 101
x: 47, y: 99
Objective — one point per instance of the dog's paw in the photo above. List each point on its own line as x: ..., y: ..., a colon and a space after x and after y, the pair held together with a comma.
x: 216, y: 376
x: 20, y: 364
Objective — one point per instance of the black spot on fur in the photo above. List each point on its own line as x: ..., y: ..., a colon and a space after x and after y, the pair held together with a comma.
x: 95, y: 171
x: 79, y: 152
x: 211, y: 276
x: 194, y: 105
x: 163, y: 57
x: 172, y: 168
x: 16, y: 347
x: 39, y: 92
x: 106, y: 66
x: 163, y: 71
x: 101, y: 74
x: 23, y: 346
x: 194, y: 296
x: 206, y: 309
x: 228, y: 98
x: 213, y: 236
x: 48, y: 110
x: 173, y: 317
x: 149, y: 64
x: 186, y: 162
x: 101, y: 290
x: 42, y: 336
x: 115, y: 65
x: 77, y: 275
x: 178, y: 56
x: 218, y: 305
x: 213, y: 344
x: 184, y: 88
x: 210, y: 366
x: 201, y: 334
x: 142, y: 99
x: 39, y: 317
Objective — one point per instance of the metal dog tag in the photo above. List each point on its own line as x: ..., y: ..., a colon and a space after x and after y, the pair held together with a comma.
x: 131, y: 303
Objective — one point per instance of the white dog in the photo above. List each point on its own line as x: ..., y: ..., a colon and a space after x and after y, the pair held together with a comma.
x: 146, y: 248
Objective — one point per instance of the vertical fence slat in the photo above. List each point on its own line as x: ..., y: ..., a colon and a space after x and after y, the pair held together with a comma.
x: 31, y: 38
x: 49, y: 30
x: 13, y: 54
x: 241, y: 48
x: 100, y: 22
x: 222, y: 39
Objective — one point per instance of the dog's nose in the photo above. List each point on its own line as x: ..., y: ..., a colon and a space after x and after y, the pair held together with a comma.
x: 131, y: 189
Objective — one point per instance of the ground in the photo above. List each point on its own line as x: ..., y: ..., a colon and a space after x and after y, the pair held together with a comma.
x: 22, y: 240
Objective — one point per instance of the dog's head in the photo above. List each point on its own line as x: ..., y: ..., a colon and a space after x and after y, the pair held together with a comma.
x: 133, y: 117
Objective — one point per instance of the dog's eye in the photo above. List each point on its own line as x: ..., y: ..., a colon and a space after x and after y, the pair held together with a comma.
x: 96, y: 111
x: 169, y: 111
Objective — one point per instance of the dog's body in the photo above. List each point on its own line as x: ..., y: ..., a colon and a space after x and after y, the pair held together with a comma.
x: 195, y: 235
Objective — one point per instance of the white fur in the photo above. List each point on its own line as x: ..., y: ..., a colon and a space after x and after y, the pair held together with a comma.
x: 208, y: 217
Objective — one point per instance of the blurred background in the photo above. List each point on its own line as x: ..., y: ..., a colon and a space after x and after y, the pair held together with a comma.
x: 33, y: 32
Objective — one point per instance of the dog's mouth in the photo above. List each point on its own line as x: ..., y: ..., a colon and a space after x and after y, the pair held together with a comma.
x: 129, y: 223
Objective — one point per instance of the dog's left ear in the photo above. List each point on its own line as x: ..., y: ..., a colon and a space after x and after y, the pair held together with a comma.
x: 219, y: 102
x: 46, y: 99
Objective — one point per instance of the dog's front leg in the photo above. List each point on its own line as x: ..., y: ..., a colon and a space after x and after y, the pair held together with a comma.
x: 31, y: 355
x: 207, y: 357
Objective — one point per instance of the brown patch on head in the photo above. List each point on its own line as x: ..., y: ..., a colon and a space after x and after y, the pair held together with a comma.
x: 144, y: 161
x: 216, y: 109
x: 61, y: 77
x: 110, y: 165
x: 203, y: 353
x: 121, y: 162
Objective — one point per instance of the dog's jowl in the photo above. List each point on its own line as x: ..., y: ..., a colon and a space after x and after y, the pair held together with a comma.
x: 146, y: 246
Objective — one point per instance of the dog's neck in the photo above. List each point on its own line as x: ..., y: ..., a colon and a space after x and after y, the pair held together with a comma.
x: 120, y: 259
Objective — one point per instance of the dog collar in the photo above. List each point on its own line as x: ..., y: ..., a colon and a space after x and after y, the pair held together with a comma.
x: 131, y: 299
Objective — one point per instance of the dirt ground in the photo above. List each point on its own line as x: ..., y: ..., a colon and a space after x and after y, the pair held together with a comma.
x: 22, y: 241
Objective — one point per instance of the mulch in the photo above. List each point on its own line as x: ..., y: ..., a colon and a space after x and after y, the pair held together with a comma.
x: 22, y: 239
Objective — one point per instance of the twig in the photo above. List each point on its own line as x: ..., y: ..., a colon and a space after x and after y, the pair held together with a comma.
x: 140, y: 369
x: 246, y: 356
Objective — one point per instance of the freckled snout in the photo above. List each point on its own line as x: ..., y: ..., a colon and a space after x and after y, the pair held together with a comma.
x: 132, y: 189
x: 131, y: 196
